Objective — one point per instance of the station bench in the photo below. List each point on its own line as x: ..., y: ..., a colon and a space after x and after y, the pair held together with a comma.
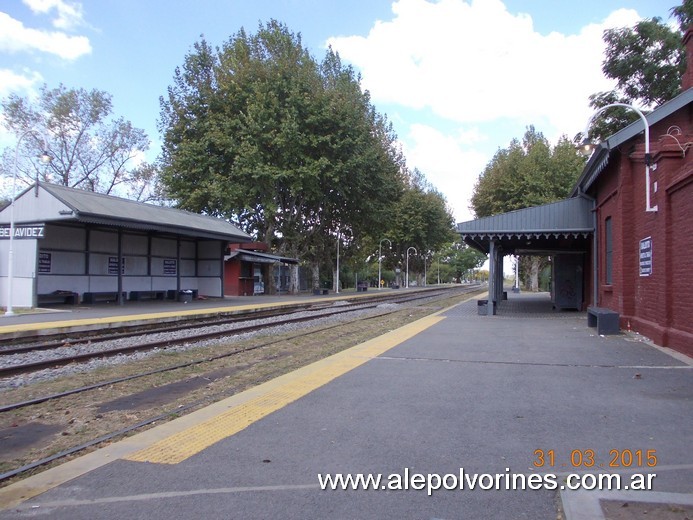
x: 66, y: 297
x: 106, y: 296
x: 173, y: 294
x: 147, y: 295
x: 606, y: 320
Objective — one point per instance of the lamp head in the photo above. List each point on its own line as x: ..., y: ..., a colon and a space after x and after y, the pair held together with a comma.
x: 45, y: 157
x: 586, y: 147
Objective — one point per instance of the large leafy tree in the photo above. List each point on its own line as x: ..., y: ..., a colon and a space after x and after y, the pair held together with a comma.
x: 528, y: 173
x: 647, y: 62
x: 89, y: 148
x: 259, y: 132
x: 420, y: 219
x: 459, y: 260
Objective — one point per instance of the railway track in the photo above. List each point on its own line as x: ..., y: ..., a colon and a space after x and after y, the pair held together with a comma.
x: 29, y: 343
x: 208, y: 362
x: 196, y: 332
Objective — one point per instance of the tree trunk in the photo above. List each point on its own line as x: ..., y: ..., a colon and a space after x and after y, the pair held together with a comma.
x: 315, y: 274
x: 534, y: 274
x: 293, y: 279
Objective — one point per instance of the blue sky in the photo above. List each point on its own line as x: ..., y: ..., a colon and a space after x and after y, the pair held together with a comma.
x: 458, y: 78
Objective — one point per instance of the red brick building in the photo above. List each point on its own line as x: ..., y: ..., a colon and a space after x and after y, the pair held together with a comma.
x: 629, y: 237
x: 643, y: 256
x: 249, y: 269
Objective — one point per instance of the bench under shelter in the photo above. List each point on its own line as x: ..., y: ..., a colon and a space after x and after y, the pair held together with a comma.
x: 563, y: 230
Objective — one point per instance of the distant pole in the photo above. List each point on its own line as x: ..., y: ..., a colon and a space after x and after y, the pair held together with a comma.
x: 380, y: 259
x: 45, y: 158
x: 407, y: 276
x: 425, y: 280
x: 337, y: 277
x: 517, y: 274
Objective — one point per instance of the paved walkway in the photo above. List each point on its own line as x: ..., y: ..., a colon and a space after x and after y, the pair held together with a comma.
x: 452, y: 391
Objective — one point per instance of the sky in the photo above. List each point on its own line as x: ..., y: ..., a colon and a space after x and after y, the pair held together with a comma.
x: 458, y: 79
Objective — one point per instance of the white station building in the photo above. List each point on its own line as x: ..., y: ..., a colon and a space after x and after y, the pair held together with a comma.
x: 73, y: 246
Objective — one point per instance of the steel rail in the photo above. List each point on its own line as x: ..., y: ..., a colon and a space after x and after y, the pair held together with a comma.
x: 24, y: 368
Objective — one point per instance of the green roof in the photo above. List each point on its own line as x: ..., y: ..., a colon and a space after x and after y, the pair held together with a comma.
x: 103, y: 209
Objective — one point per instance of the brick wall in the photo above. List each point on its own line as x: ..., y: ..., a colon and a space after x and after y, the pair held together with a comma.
x: 660, y: 305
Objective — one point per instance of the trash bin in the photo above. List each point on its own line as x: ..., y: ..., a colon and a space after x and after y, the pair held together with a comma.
x: 185, y: 296
x: 482, y: 307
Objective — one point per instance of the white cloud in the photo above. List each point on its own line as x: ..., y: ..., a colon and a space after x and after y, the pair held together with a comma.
x: 476, y: 62
x: 70, y: 14
x: 14, y: 37
x: 448, y: 163
x: 10, y: 81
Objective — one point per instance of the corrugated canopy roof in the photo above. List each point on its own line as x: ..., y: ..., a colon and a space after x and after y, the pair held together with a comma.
x: 540, y: 228
x: 115, y: 211
x: 259, y: 258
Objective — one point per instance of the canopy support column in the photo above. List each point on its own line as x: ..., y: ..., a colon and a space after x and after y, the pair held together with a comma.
x: 491, y: 277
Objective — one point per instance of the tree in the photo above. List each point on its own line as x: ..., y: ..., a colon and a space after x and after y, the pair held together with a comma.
x: 460, y: 259
x: 260, y: 133
x: 527, y: 173
x: 420, y: 218
x: 647, y: 61
x: 89, y: 150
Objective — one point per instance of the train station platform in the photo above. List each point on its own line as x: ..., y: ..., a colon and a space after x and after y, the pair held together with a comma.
x: 61, y: 318
x: 473, y: 400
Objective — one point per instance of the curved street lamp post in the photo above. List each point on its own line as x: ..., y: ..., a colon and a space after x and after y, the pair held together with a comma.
x: 587, y: 146
x: 407, y: 278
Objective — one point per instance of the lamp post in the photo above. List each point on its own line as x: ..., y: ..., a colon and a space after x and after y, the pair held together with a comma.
x: 587, y: 146
x: 336, y: 287
x: 516, y: 289
x: 380, y: 259
x: 425, y: 258
x: 45, y: 158
x: 407, y: 277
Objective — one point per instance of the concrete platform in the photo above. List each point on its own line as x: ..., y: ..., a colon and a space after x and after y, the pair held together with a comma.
x: 454, y: 390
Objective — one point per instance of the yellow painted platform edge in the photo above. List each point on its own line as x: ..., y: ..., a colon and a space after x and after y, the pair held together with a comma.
x: 25, y: 489
x: 105, y: 320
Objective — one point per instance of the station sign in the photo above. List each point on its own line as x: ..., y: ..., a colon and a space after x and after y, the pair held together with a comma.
x: 23, y: 231
x: 646, y: 256
x: 44, y: 263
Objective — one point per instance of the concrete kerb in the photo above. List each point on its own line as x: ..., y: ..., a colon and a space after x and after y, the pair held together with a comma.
x: 586, y: 505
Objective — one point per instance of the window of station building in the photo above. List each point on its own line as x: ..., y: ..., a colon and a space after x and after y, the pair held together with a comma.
x: 608, y: 251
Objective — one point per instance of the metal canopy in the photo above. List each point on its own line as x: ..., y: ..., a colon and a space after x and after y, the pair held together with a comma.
x: 259, y: 258
x: 554, y: 227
